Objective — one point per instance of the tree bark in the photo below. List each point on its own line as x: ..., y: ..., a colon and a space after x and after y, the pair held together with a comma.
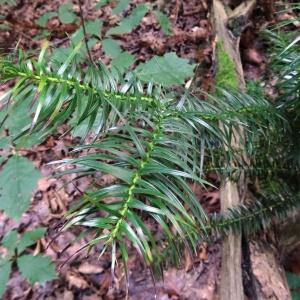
x: 268, y: 280
x: 268, y: 275
x: 231, y: 286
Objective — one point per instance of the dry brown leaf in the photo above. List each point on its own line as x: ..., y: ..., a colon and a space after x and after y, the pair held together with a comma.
x: 68, y: 295
x: 253, y: 56
x: 211, y: 201
x: 150, y: 20
x: 188, y: 265
x: 198, y: 33
x: 87, y: 268
x: 45, y: 183
x: 53, y: 204
x: 76, y: 281
x: 60, y: 149
x: 202, y: 253
x: 91, y: 297
x: 106, y: 179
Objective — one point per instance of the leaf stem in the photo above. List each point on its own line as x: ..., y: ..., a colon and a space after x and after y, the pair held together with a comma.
x: 84, y: 32
x: 172, y: 113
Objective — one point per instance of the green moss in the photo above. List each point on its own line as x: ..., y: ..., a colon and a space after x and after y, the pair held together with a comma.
x: 226, y: 76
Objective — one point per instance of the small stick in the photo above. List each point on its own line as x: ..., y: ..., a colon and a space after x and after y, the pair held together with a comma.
x: 84, y: 32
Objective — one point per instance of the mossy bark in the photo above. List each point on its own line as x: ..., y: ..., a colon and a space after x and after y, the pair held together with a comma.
x: 226, y: 76
x: 263, y: 266
x: 229, y: 75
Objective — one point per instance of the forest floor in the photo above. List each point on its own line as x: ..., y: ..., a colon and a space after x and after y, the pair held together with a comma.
x: 87, y: 277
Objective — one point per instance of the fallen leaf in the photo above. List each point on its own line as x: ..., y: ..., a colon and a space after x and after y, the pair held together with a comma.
x: 76, y: 281
x: 87, y: 268
x: 253, y: 56
x: 91, y: 297
x: 68, y: 295
x: 45, y: 183
x: 188, y: 265
x: 202, y: 252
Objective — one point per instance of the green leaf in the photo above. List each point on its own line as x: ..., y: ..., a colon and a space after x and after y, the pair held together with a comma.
x: 61, y: 54
x: 8, y: 2
x: 42, y: 20
x: 295, y: 295
x: 81, y: 129
x: 69, y: 59
x: 294, y: 285
x: 36, y: 268
x: 123, y: 61
x: 4, y: 142
x: 101, y: 3
x: 17, y: 182
x: 111, y: 48
x: 293, y: 280
x: 28, y: 141
x: 129, y: 23
x: 44, y: 34
x: 120, y: 173
x: 163, y: 21
x: 30, y: 238
x: 5, y: 27
x: 2, y: 159
x: 166, y: 70
x: 18, y: 114
x: 122, y: 4
x: 94, y: 27
x: 140, y: 205
x: 77, y: 36
x: 10, y: 241
x: 5, y: 269
x: 65, y: 14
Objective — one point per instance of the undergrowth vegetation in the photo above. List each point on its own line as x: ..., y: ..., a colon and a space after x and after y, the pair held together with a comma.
x: 155, y: 141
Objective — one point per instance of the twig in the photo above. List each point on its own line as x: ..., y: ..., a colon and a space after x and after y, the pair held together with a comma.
x: 84, y: 32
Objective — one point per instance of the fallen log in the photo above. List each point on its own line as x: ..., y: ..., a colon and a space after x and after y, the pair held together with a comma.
x: 267, y: 278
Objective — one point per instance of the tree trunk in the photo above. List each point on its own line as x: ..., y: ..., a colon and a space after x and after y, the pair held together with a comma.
x: 268, y: 276
x: 231, y: 286
x: 267, y: 279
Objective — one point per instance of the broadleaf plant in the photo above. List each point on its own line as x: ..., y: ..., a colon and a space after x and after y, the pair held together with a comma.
x: 43, y: 19
x: 130, y: 22
x: 34, y: 268
x: 163, y: 21
x: 122, y: 60
x: 8, y: 2
x: 65, y: 14
x: 42, y: 271
x: 167, y: 70
x: 120, y: 7
x: 18, y: 179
